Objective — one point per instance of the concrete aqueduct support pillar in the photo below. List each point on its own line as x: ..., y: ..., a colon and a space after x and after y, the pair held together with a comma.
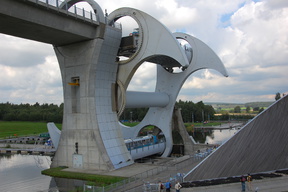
x: 88, y: 72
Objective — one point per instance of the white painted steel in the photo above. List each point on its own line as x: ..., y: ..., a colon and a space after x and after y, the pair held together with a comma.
x: 147, y: 151
x: 146, y: 99
x: 54, y: 133
x: 203, y: 57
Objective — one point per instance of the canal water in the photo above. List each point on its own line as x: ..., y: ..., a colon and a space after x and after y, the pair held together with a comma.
x: 23, y: 172
x: 215, y: 136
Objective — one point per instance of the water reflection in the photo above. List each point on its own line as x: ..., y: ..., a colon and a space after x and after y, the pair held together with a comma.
x: 23, y: 173
x: 213, y: 136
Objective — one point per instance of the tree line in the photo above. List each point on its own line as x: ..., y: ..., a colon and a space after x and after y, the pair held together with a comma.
x: 196, y: 112
x: 191, y: 112
x: 27, y: 112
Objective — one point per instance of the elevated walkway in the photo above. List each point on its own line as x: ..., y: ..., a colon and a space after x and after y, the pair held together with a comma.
x: 46, y: 23
x: 31, y: 151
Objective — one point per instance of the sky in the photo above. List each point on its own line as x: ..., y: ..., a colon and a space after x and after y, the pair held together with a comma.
x: 250, y: 37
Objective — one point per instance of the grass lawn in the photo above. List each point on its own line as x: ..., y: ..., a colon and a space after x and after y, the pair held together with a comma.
x: 26, y: 128
x: 96, y: 180
x: 22, y: 128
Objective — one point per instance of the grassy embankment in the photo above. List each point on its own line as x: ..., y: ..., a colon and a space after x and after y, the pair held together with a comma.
x: 93, y: 179
x: 22, y: 128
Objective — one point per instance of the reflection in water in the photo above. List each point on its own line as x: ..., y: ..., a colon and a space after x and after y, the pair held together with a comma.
x: 23, y: 173
x: 213, y: 136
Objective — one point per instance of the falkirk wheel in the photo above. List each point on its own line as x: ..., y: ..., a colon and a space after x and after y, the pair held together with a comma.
x: 95, y: 85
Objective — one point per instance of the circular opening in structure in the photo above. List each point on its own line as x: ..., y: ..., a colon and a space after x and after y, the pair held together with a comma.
x: 143, y: 80
x: 79, y: 6
x: 130, y: 41
x: 187, y: 48
x: 188, y: 52
x: 151, y: 130
x: 132, y: 116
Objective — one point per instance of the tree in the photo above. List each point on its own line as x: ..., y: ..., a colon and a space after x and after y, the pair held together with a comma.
x: 262, y: 109
x: 256, y: 109
x: 248, y: 109
x: 237, y: 109
x: 277, y: 96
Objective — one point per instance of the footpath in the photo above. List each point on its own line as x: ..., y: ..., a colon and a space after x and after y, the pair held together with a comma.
x: 276, y: 184
x: 184, y: 165
x: 151, y: 171
x: 279, y: 184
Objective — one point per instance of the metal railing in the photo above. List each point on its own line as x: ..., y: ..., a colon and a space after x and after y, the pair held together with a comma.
x: 135, y: 178
x: 75, y: 11
x: 152, y: 172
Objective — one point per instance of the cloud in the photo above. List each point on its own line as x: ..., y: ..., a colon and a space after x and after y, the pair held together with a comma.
x: 31, y: 83
x: 250, y: 37
x: 23, y: 52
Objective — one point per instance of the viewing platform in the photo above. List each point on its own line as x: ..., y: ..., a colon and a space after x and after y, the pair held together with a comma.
x: 32, y: 145
x: 30, y: 151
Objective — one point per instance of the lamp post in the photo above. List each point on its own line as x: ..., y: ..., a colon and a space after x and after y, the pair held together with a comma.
x: 192, y: 117
x: 202, y: 118
x: 131, y: 112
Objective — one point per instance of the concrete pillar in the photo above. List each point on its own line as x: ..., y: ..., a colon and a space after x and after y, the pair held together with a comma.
x: 179, y: 126
x: 88, y: 72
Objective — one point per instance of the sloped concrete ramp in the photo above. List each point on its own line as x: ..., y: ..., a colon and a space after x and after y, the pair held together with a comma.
x: 261, y: 145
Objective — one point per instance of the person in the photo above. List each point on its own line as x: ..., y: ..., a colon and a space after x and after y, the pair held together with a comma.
x: 249, y: 180
x: 168, y: 185
x: 160, y: 186
x: 48, y: 144
x: 242, y: 180
x: 178, y: 187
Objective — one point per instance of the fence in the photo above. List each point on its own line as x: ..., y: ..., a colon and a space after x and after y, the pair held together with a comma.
x: 75, y: 11
x: 151, y: 187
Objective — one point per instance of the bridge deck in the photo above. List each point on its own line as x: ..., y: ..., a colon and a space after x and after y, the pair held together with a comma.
x: 45, y: 24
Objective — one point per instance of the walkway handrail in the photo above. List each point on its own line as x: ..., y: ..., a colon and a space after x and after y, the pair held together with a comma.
x: 155, y: 171
x: 75, y: 11
x: 79, y: 13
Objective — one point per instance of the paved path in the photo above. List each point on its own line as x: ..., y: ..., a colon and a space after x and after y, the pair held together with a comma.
x: 279, y: 184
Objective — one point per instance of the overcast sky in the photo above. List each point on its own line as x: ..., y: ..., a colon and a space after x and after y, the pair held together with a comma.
x: 250, y: 37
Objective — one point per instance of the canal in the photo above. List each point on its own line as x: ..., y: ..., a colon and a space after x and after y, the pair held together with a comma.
x: 213, y: 136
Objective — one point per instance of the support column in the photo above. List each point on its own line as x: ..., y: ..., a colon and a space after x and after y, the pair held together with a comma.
x: 90, y: 129
x: 179, y: 126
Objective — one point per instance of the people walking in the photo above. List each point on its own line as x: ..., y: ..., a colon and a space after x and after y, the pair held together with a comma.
x: 249, y: 182
x: 160, y: 186
x: 243, y: 180
x: 178, y: 186
x: 168, y: 186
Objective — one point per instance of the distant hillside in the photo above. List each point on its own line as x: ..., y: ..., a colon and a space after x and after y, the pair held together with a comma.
x: 233, y: 105
x: 225, y: 105
x: 258, y: 104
